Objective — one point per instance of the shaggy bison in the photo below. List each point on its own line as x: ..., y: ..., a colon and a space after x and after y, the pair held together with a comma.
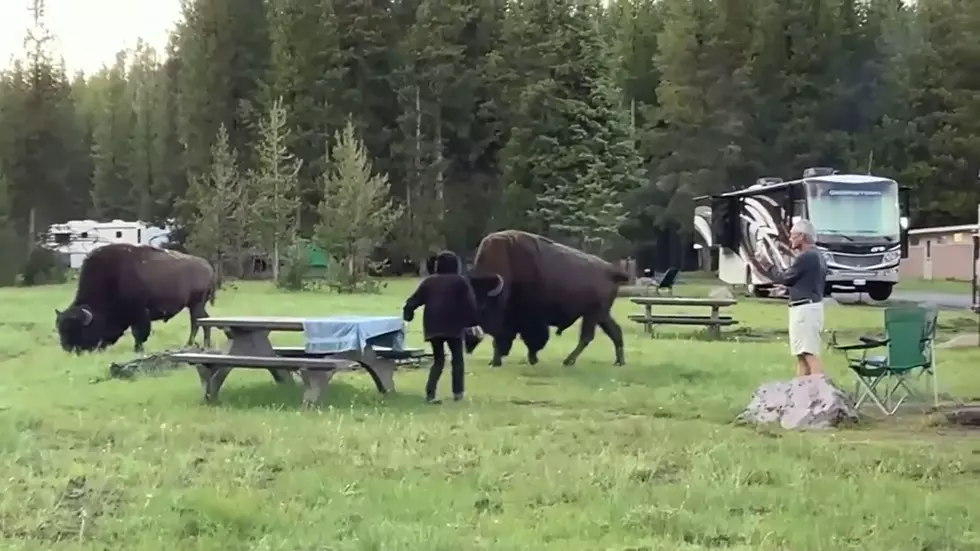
x: 526, y: 283
x: 124, y: 286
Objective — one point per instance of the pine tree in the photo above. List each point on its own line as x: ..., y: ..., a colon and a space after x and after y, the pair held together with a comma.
x: 219, y: 203
x: 356, y: 213
x: 571, y: 154
x: 8, y: 239
x: 274, y: 186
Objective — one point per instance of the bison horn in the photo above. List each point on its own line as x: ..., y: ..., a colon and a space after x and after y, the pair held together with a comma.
x: 87, y: 316
x: 498, y: 289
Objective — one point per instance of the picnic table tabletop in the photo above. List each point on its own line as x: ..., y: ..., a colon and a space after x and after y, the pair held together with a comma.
x: 332, y: 334
x: 681, y: 301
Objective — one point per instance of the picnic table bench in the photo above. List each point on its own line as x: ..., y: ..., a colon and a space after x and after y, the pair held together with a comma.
x: 713, y: 322
x: 342, y: 343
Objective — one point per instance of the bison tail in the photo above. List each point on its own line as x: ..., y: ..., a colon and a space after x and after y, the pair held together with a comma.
x: 620, y: 277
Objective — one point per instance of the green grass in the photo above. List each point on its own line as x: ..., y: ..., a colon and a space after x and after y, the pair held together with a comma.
x: 935, y: 286
x: 538, y: 458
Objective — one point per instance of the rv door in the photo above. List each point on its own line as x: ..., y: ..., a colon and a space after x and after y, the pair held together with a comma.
x: 725, y: 223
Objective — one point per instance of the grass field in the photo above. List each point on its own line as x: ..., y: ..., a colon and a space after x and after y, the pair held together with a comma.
x: 586, y: 458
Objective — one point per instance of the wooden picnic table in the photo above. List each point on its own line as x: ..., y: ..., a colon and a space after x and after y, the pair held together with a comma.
x: 249, y: 346
x: 713, y: 322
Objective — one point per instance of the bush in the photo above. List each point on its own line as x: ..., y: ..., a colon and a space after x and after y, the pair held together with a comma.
x: 43, y: 267
x: 295, y: 270
x: 340, y: 279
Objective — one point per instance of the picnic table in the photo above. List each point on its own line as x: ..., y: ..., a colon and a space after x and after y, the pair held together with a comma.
x: 713, y: 322
x: 340, y: 343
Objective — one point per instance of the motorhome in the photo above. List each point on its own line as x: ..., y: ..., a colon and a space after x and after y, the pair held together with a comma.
x: 860, y: 220
x: 75, y: 239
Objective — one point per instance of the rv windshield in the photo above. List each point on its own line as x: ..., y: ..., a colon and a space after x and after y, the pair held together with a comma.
x: 866, y: 208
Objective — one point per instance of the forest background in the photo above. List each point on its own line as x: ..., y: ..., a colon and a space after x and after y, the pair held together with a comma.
x: 414, y: 125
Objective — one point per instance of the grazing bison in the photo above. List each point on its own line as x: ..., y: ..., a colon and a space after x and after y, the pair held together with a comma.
x: 124, y: 286
x: 526, y: 283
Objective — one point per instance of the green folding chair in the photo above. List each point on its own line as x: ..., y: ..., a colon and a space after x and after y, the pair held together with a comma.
x: 890, y: 380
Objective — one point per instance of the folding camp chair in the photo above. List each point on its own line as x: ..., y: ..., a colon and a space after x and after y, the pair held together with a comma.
x: 909, y: 335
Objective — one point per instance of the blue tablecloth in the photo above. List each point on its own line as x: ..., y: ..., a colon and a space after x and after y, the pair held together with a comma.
x: 344, y: 333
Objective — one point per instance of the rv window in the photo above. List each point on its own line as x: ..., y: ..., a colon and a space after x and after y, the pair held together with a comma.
x: 84, y: 235
x: 62, y: 238
x: 118, y: 234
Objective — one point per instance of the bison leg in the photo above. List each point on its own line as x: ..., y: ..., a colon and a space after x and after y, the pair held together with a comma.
x: 585, y: 336
x: 197, y: 311
x: 140, y: 330
x: 535, y: 337
x: 615, y: 334
x: 501, y: 347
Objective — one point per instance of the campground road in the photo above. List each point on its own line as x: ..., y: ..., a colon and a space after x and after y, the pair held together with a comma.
x: 943, y: 300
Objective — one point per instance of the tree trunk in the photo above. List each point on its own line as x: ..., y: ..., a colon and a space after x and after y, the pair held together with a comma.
x: 275, y: 262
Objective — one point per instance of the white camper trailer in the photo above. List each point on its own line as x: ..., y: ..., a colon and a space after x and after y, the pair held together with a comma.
x: 75, y: 239
x: 861, y: 223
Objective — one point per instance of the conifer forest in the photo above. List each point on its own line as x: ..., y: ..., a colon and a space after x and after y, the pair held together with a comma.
x: 422, y: 124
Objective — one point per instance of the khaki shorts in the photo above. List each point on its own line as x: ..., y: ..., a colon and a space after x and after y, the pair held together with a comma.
x: 805, y: 327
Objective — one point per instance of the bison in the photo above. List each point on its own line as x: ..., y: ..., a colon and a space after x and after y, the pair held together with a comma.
x: 124, y: 286
x: 526, y: 283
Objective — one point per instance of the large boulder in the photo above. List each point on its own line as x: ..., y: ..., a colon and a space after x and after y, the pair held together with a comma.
x: 811, y: 402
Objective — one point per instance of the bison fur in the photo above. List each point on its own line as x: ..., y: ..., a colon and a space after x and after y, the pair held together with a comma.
x: 123, y: 286
x: 526, y: 283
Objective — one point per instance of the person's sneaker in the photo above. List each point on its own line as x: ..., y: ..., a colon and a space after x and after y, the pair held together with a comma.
x: 432, y: 400
x: 458, y: 396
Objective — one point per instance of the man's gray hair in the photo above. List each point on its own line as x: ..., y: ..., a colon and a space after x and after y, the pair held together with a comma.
x: 805, y: 227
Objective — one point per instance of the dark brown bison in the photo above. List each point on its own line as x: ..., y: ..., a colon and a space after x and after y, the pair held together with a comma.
x: 124, y: 286
x: 526, y: 283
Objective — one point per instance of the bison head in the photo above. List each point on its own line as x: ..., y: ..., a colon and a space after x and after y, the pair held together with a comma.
x: 79, y: 329
x: 491, y: 300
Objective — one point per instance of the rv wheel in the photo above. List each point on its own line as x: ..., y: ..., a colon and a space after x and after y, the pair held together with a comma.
x: 880, y: 291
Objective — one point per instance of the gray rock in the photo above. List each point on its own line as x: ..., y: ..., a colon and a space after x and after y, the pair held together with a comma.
x: 645, y: 281
x: 829, y: 302
x: 803, y: 403
x: 721, y: 293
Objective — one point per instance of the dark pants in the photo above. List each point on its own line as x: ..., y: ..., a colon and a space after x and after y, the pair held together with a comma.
x: 439, y: 362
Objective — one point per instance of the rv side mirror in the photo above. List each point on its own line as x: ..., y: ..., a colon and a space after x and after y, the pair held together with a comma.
x: 903, y: 237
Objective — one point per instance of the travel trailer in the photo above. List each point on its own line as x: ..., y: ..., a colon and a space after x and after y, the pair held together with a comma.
x: 861, y: 223
x: 75, y: 239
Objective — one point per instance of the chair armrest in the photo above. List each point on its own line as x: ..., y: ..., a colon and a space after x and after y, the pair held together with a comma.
x: 859, y: 346
x: 877, y: 341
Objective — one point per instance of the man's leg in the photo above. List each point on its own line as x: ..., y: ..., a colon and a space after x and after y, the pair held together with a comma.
x: 435, y: 372
x: 802, y: 368
x: 459, y: 369
x: 814, y: 365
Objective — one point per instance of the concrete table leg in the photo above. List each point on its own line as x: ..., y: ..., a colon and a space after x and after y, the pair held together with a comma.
x: 255, y: 342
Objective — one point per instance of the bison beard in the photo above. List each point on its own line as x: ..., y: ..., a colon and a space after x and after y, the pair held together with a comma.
x: 526, y: 283
x: 124, y: 287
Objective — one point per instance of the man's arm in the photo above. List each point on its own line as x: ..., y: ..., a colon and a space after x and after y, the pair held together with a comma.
x: 417, y: 299
x: 792, y: 274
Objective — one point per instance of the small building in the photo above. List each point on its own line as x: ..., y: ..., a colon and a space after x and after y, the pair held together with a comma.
x: 944, y: 252
x: 75, y: 239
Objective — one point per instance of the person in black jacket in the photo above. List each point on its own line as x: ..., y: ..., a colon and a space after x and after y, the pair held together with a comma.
x: 450, y: 311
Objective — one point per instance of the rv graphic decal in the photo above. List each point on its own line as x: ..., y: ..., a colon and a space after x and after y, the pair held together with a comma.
x: 762, y: 233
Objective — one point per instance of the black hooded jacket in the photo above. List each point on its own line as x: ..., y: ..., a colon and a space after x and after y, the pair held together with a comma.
x: 450, y: 306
